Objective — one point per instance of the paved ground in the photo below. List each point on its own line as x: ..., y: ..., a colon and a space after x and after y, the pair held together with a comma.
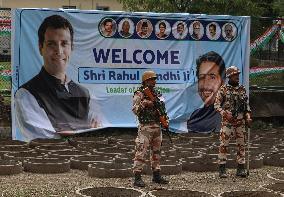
x: 31, y: 184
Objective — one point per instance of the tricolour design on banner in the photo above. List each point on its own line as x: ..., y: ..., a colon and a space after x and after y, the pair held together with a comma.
x: 110, y: 53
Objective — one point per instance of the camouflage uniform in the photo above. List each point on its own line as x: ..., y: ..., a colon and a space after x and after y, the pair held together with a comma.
x: 235, y: 100
x: 149, y: 132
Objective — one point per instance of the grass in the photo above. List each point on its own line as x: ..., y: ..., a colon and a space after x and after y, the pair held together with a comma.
x: 274, y: 79
x: 5, y: 65
x: 5, y: 82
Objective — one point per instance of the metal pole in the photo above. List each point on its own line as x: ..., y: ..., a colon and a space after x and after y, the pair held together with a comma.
x: 248, y: 151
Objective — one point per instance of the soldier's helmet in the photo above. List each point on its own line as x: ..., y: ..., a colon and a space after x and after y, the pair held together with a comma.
x: 148, y: 75
x: 232, y: 70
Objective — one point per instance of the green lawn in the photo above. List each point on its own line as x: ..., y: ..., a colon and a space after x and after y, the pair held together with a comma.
x: 274, y: 79
x: 5, y: 65
x: 5, y: 82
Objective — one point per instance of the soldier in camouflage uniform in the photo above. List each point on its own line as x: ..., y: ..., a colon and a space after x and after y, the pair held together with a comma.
x: 149, y: 130
x: 232, y: 103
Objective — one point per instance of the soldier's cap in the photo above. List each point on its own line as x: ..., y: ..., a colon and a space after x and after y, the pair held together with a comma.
x: 232, y: 70
x: 149, y: 74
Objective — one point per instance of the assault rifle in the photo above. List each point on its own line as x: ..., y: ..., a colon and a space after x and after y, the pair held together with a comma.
x: 238, y: 107
x: 248, y: 146
x: 160, y: 110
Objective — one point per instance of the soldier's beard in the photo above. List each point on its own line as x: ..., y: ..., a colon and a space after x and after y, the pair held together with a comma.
x: 233, y: 83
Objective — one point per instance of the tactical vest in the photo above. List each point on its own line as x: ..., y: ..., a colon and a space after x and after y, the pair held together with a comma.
x: 149, y: 114
x: 235, y: 100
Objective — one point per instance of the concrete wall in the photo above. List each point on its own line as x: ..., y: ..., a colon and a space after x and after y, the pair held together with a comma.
x: 113, y: 5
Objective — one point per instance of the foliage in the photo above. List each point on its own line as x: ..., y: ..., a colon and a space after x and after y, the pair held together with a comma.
x: 278, y: 6
x: 229, y: 7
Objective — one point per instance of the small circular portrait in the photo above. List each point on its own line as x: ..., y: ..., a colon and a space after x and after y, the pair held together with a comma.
x: 126, y: 27
x: 144, y: 28
x: 196, y: 30
x: 108, y: 27
x: 229, y: 31
x: 213, y: 31
x: 162, y: 29
x: 180, y: 30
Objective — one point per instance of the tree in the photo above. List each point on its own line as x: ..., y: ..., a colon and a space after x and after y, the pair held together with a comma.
x: 278, y: 6
x: 229, y: 7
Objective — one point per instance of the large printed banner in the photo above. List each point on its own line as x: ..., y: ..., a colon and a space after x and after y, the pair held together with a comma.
x: 111, y: 51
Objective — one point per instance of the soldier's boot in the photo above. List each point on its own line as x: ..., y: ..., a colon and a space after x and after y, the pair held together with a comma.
x: 138, y: 182
x: 222, y: 171
x: 157, y: 178
x: 241, y: 172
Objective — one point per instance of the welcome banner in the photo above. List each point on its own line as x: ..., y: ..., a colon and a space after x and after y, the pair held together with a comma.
x: 113, y: 49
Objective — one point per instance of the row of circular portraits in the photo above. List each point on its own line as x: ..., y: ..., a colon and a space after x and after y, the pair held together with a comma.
x: 170, y: 30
